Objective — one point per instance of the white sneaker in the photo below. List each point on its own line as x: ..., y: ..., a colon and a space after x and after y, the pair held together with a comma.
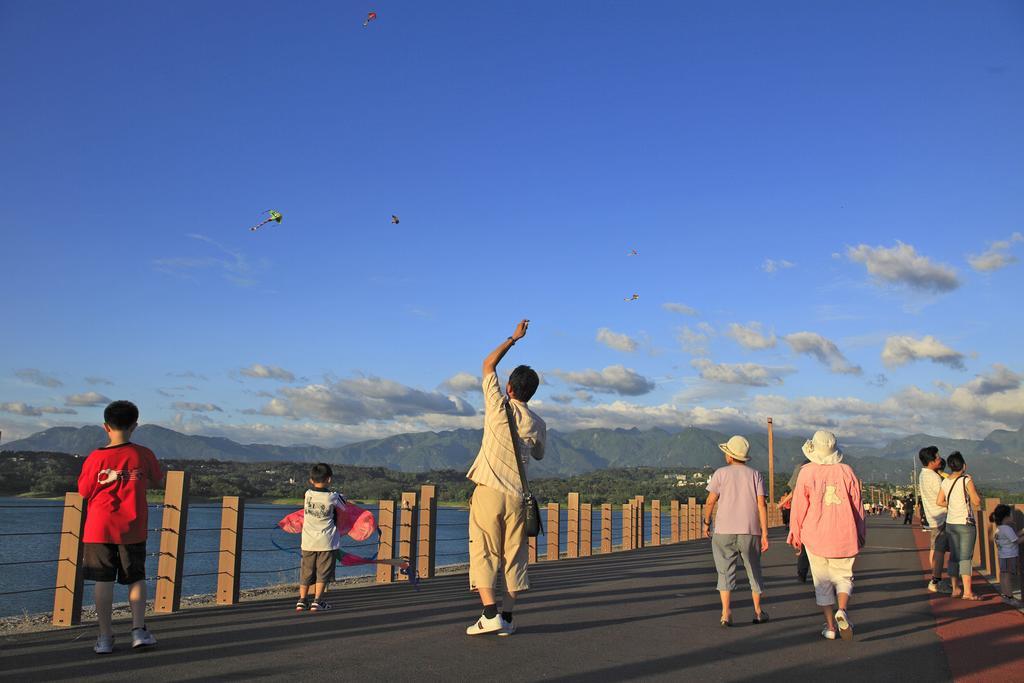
x: 828, y: 634
x: 507, y: 627
x: 104, y: 646
x: 142, y: 638
x: 845, y: 627
x: 484, y: 625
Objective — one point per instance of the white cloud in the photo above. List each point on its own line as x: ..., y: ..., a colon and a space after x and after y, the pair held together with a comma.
x: 900, y: 350
x: 751, y: 337
x: 38, y: 377
x: 997, y: 255
x: 902, y: 265
x: 187, y: 374
x: 98, y: 380
x: 813, y: 344
x: 772, y: 265
x: 260, y: 371
x: 196, y: 407
x: 359, y: 400
x: 614, y: 379
x: 1000, y: 380
x: 232, y: 264
x: 462, y: 382
x: 695, y: 342
x: 616, y: 340
x: 87, y: 399
x: 682, y: 309
x: 749, y: 374
x: 27, y: 410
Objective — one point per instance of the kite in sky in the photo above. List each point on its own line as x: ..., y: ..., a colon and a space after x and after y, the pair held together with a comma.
x: 369, y: 17
x: 271, y: 216
x: 633, y: 252
x: 394, y: 219
x: 635, y: 297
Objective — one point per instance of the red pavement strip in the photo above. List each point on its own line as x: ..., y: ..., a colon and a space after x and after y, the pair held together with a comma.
x: 983, y: 641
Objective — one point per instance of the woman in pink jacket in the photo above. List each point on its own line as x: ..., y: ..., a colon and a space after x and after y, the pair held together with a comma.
x: 828, y: 519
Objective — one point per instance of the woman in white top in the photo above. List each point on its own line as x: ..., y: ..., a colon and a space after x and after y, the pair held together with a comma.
x: 958, y: 495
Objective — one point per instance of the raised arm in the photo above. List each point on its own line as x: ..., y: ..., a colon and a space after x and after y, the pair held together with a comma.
x: 492, y: 360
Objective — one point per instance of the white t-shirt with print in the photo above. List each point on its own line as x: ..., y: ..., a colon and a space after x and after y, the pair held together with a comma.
x: 319, y: 532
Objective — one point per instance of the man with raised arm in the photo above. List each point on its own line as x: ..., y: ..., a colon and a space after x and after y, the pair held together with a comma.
x: 497, y: 535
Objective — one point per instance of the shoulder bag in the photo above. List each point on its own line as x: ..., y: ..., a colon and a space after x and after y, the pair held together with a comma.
x: 531, y: 511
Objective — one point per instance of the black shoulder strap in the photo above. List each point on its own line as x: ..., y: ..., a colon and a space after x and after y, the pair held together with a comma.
x: 515, y: 446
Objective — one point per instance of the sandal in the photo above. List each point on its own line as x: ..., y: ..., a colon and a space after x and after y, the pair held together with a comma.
x: 972, y: 598
x: 760, y: 618
x: 725, y: 623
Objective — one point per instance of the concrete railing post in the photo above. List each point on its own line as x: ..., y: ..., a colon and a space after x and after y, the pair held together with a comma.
x: 674, y: 522
x: 67, y: 598
x: 407, y: 530
x: 229, y: 560
x: 606, y: 528
x: 172, y: 543
x: 572, y: 546
x: 553, y: 539
x: 427, y: 532
x: 387, y: 522
x: 586, y: 532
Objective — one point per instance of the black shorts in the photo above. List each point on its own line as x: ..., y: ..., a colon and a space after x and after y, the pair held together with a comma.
x: 108, y: 562
x: 317, y: 566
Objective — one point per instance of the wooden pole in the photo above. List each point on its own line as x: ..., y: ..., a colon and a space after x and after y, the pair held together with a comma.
x: 586, y: 533
x: 572, y: 547
x: 606, y: 527
x: 427, y: 532
x: 627, y: 526
x: 553, y: 549
x: 67, y: 598
x: 172, y: 543
x: 386, y: 522
x: 674, y: 507
x: 407, y: 530
x: 771, y: 462
x: 533, y: 551
x: 229, y: 561
x: 641, y: 533
x: 693, y: 523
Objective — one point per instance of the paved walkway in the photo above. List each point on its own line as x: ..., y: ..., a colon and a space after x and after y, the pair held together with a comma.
x: 650, y: 614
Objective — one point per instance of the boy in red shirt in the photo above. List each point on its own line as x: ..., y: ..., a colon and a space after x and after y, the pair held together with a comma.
x: 113, y: 483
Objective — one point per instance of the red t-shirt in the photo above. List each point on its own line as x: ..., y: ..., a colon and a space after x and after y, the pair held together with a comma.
x: 117, y: 511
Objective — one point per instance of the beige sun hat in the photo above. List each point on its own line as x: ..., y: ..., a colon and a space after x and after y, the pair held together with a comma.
x: 821, y: 448
x: 736, y: 448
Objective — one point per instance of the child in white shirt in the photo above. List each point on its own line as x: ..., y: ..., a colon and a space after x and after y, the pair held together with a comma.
x: 1008, y: 541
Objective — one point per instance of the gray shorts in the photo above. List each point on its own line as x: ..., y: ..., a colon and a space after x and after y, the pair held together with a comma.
x: 317, y: 566
x: 728, y: 549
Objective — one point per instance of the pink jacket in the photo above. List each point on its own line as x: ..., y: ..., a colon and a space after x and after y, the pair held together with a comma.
x: 827, y: 515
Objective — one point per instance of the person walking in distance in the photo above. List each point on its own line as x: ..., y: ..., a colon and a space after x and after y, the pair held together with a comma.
x: 497, y: 533
x: 828, y: 519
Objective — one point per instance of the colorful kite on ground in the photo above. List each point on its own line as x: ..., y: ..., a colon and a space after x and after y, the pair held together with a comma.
x: 635, y: 297
x: 369, y: 17
x: 271, y: 216
x: 394, y: 219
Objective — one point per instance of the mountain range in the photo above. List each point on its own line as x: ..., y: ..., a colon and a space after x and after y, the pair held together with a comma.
x: 998, y: 459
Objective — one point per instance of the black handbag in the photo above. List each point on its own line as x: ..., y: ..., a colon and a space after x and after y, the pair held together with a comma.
x: 531, y: 510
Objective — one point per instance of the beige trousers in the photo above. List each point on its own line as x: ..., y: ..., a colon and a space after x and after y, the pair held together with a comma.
x: 497, y: 540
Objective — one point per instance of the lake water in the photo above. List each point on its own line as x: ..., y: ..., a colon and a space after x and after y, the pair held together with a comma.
x: 28, y: 566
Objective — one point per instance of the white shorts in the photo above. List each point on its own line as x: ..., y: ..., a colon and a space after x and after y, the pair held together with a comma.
x: 831, y: 575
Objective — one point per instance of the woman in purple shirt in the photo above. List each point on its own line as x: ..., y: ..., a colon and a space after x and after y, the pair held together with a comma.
x: 741, y: 525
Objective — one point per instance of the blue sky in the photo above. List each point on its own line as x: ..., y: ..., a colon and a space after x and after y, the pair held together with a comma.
x: 842, y: 183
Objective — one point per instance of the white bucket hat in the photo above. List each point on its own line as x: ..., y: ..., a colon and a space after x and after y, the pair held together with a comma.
x: 821, y: 448
x: 736, y: 448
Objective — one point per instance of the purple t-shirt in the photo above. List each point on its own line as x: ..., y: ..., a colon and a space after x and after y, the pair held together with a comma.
x: 738, y: 488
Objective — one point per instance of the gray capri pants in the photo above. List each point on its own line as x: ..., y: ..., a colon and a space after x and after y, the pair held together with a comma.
x: 727, y: 549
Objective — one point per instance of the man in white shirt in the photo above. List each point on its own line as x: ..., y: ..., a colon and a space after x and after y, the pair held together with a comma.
x: 929, y: 483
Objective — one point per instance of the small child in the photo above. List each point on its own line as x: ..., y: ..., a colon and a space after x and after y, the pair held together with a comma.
x: 113, y: 483
x: 320, y: 539
x: 1008, y: 542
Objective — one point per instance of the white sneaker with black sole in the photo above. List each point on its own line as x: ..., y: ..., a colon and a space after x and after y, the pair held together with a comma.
x: 484, y: 625
x: 142, y: 638
x: 845, y: 627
